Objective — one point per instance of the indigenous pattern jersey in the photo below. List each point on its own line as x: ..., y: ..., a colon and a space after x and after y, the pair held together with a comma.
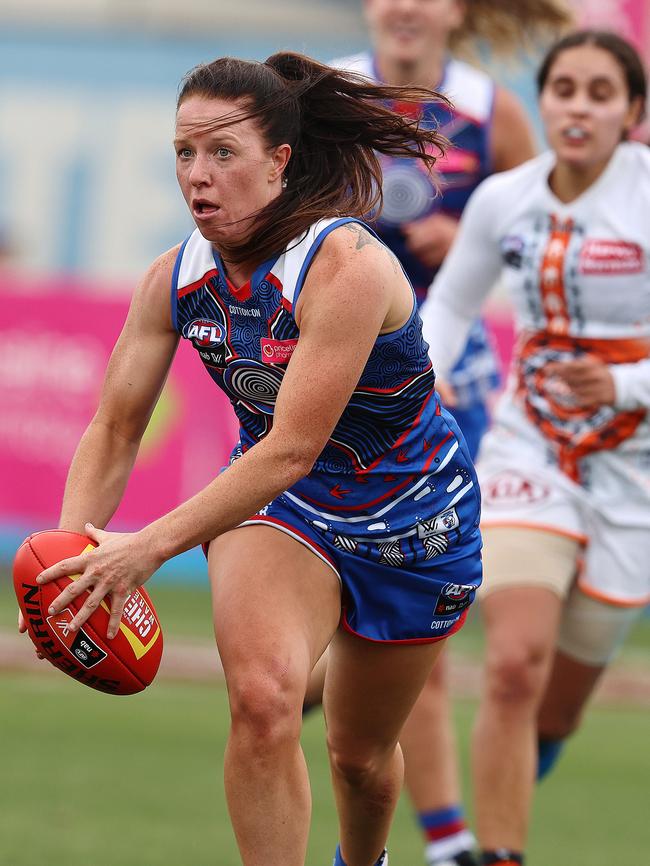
x: 579, y: 277
x: 411, y: 193
x: 394, y: 483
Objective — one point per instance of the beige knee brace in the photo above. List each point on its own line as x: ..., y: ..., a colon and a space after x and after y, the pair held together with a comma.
x: 591, y: 631
x: 520, y: 556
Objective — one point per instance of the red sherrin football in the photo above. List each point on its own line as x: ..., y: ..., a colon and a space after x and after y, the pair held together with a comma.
x: 122, y: 666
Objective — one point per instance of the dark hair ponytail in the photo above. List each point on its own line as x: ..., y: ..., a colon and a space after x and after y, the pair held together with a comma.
x: 336, y: 123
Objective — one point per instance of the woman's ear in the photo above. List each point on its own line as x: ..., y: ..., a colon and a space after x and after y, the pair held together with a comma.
x: 280, y: 159
x: 635, y: 114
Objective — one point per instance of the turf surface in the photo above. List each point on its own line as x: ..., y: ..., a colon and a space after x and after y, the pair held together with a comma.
x: 93, y: 780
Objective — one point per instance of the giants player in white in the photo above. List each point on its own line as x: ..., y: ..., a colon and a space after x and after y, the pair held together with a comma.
x: 565, y: 471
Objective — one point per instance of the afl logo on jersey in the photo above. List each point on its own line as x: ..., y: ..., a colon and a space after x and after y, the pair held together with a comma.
x: 205, y: 333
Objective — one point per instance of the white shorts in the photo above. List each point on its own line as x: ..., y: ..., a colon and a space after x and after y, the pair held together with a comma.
x: 609, y: 517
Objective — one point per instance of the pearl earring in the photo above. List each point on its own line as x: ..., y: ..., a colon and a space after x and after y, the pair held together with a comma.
x: 284, y: 183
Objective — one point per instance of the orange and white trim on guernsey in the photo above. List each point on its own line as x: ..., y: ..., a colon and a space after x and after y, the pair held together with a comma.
x: 551, y: 281
x: 576, y: 430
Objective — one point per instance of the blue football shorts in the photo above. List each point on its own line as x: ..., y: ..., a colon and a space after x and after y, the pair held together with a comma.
x: 413, y: 603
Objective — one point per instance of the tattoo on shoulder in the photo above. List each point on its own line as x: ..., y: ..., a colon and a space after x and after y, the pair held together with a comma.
x: 365, y: 238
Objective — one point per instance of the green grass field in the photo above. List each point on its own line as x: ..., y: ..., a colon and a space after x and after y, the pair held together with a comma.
x: 93, y: 780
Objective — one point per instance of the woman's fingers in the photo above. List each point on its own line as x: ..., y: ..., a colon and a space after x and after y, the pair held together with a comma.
x: 118, y: 600
x: 72, y: 590
x: 65, y: 568
x: 94, y: 600
x: 89, y: 606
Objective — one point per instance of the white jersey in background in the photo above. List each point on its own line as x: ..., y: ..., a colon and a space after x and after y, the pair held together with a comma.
x: 578, y: 275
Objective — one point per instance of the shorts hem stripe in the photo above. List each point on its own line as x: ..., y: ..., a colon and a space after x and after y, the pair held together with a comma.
x: 616, y: 601
x: 405, y: 641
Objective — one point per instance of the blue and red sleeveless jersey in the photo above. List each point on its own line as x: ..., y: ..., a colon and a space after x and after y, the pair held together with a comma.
x: 394, y: 482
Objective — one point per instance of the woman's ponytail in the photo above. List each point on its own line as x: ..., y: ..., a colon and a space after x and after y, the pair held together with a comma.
x: 336, y: 124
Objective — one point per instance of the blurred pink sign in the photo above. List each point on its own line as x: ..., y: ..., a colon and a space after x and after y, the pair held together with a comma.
x: 629, y: 18
x: 55, y: 341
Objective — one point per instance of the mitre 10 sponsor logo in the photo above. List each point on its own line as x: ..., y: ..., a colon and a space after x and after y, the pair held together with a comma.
x: 205, y: 333
x: 454, y: 598
x: 82, y: 647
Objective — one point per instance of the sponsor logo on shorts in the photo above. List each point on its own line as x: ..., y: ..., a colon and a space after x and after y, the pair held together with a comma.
x: 277, y: 351
x: 443, y: 522
x: 512, y: 488
x: 205, y: 333
x: 454, y: 598
x: 610, y: 257
x: 82, y: 647
x: 440, y: 624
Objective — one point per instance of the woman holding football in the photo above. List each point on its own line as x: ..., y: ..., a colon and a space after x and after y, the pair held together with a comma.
x: 348, y: 515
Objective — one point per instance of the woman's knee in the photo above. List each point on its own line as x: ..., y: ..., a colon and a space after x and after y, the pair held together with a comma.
x: 516, y: 673
x: 265, y: 705
x: 356, y: 762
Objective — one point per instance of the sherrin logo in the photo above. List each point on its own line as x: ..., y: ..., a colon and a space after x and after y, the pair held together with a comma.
x: 205, y: 333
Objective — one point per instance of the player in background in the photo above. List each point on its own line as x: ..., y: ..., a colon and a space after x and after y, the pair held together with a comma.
x: 348, y: 516
x: 565, y: 468
x: 413, y: 41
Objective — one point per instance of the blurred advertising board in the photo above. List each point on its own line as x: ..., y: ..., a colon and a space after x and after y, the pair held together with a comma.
x: 55, y: 340
x: 629, y: 18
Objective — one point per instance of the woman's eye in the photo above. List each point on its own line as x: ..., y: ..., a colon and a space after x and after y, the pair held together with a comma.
x: 184, y: 152
x: 223, y: 153
x: 601, y: 94
x: 563, y: 90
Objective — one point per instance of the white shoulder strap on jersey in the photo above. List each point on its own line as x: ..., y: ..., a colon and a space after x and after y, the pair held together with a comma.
x: 196, y: 260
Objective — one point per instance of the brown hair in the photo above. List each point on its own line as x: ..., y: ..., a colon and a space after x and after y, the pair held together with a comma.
x: 620, y: 49
x: 510, y: 25
x: 336, y: 123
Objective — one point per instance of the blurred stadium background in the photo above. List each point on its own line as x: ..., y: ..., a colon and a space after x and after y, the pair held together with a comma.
x: 88, y: 198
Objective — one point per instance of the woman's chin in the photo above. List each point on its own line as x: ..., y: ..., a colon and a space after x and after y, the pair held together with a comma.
x: 218, y: 234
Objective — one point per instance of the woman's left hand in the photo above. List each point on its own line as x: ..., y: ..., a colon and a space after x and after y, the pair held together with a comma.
x: 588, y: 378
x: 116, y: 567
